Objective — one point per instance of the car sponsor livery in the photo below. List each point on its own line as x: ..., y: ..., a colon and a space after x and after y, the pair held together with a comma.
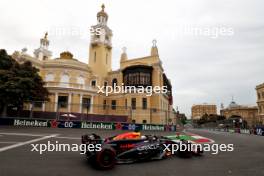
x: 194, y: 138
x: 148, y: 147
x: 133, y: 147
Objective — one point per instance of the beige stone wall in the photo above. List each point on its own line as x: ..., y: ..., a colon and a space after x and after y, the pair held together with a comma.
x: 100, y: 60
x: 260, y: 98
x: 260, y: 102
x: 247, y: 113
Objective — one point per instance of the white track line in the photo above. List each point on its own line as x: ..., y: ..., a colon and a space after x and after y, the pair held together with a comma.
x: 23, y: 134
x: 9, y: 142
x: 75, y: 138
x: 26, y: 142
x: 38, y: 135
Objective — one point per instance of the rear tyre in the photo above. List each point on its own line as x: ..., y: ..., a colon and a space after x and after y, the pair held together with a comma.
x: 187, y: 153
x: 199, y: 152
x: 106, y: 158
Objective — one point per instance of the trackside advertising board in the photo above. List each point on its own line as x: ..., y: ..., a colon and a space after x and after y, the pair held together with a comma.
x: 99, y: 125
x: 106, y: 125
x: 260, y: 131
x: 85, y: 125
x: 31, y: 123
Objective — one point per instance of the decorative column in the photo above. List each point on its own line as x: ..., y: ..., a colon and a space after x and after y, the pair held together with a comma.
x: 81, y: 102
x: 91, y: 108
x: 69, y: 102
x: 56, y: 102
x: 31, y: 107
x: 43, y: 106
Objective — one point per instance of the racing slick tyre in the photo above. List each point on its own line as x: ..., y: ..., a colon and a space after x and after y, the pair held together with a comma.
x: 106, y: 158
x: 198, y: 152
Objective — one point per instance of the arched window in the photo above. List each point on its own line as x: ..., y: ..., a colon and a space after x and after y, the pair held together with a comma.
x: 114, y: 82
x: 49, y: 77
x: 106, y: 58
x: 93, y: 83
x: 65, y: 80
x: 94, y: 57
x: 80, y: 80
x: 138, y: 75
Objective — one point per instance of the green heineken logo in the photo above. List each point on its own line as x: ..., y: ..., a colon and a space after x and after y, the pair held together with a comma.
x: 93, y: 125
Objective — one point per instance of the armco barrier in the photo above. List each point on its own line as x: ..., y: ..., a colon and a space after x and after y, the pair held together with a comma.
x: 85, y: 125
x: 258, y: 130
x: 245, y: 131
x: 231, y: 130
x: 31, y: 123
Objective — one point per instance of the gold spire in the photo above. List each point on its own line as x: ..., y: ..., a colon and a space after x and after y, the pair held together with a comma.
x: 154, y: 48
x: 46, y: 35
x: 102, y: 12
x: 103, y: 7
x: 124, y: 54
x: 66, y: 55
x: 44, y: 42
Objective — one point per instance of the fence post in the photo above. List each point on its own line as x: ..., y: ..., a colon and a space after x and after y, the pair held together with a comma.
x: 31, y: 107
x: 43, y: 106
x: 150, y: 115
x: 130, y: 113
x: 4, y: 112
x: 57, y: 110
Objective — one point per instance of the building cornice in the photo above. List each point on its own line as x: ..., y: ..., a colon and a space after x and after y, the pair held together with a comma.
x: 114, y: 72
x: 260, y: 86
x: 138, y: 59
x: 68, y: 66
x: 241, y: 108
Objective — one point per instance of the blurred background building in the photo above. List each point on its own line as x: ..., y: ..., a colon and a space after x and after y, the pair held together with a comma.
x: 260, y: 102
x: 199, y: 110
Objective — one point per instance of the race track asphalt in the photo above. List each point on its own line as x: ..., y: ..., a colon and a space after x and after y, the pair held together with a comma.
x: 247, y: 159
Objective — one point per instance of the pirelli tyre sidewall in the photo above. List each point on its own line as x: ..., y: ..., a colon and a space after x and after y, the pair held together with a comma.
x: 106, y: 158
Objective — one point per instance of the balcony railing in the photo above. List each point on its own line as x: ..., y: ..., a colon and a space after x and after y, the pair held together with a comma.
x: 70, y: 85
x: 97, y: 41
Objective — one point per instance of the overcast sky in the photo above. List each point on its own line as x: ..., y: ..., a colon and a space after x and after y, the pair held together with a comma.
x: 203, y: 67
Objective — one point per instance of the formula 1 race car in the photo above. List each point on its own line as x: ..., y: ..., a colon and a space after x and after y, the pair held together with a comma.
x: 132, y: 147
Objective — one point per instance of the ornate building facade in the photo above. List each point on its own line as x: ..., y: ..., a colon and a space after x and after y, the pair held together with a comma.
x: 260, y: 102
x: 73, y: 85
x: 247, y: 113
x: 199, y: 110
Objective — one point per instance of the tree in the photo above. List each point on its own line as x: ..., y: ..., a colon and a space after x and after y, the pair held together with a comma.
x: 19, y: 82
